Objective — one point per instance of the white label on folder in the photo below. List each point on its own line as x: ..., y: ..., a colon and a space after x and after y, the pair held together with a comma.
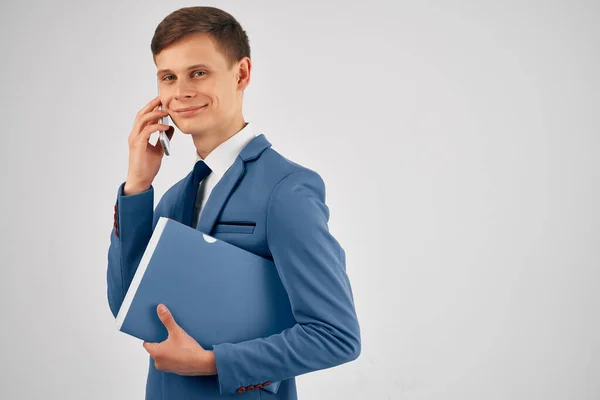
x: 209, y: 239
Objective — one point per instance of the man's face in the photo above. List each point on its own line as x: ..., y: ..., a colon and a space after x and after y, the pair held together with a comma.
x: 211, y: 85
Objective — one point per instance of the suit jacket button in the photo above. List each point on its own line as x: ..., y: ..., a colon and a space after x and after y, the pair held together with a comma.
x: 251, y: 387
x: 115, y: 224
x: 115, y: 208
x: 267, y: 383
x: 117, y: 232
x: 115, y: 215
x: 258, y: 386
x: 241, y: 389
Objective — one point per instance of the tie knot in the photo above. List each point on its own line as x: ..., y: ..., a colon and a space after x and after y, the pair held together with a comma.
x: 201, y: 170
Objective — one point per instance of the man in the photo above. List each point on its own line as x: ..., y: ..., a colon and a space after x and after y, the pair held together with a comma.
x: 250, y: 196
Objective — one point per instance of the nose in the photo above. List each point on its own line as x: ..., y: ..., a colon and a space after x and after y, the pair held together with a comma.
x: 182, y: 89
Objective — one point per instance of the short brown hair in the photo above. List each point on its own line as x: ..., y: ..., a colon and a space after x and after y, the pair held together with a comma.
x: 231, y: 39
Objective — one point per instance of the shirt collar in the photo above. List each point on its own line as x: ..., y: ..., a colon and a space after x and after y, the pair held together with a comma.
x: 222, y: 157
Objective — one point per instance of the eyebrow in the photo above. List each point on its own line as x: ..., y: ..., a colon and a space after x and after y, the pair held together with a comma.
x: 160, y: 71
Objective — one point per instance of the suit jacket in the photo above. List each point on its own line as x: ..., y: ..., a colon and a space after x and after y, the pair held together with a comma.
x: 275, y: 208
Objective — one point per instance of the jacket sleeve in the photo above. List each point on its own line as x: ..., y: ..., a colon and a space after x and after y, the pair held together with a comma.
x: 311, y: 265
x: 134, y: 223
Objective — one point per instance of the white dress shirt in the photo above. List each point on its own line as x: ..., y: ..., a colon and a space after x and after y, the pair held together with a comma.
x: 219, y: 161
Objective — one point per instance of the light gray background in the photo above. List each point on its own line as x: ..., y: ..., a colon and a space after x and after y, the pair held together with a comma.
x: 459, y: 145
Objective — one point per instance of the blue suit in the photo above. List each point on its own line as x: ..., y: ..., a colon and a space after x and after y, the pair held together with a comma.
x: 275, y: 208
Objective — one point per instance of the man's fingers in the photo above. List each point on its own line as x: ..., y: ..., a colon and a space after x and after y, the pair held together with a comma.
x: 152, y: 104
x: 149, y: 346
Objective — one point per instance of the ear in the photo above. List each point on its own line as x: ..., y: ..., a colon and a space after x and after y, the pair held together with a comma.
x: 243, y: 73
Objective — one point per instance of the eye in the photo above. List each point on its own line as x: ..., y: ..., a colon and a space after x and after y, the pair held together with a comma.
x: 167, y: 76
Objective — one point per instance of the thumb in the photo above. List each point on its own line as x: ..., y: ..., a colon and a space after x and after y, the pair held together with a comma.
x: 167, y: 318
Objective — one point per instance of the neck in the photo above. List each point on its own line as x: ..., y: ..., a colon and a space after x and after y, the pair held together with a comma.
x: 208, y: 141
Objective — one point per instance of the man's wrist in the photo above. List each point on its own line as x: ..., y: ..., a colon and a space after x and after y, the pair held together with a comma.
x: 212, y: 363
x: 207, y: 363
x: 131, y: 188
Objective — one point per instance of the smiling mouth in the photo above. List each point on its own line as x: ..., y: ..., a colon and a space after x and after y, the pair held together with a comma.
x: 192, y: 111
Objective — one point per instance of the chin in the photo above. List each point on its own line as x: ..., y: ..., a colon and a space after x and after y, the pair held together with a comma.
x: 195, y: 129
x: 189, y: 126
x: 196, y: 126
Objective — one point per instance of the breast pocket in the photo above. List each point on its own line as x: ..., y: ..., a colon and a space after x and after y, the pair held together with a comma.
x: 234, y: 227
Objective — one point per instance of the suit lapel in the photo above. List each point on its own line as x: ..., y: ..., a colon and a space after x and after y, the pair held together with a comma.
x: 224, y: 188
x: 219, y: 195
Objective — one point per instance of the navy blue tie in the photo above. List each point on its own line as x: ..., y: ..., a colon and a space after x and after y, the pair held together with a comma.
x: 201, y: 171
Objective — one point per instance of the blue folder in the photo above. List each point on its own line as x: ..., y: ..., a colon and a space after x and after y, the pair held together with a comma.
x: 217, y: 292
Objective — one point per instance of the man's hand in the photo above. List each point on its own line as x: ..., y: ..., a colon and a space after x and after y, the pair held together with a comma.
x: 144, y: 158
x: 180, y: 353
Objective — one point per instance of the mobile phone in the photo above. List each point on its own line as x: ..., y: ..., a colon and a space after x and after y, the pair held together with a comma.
x: 162, y: 136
